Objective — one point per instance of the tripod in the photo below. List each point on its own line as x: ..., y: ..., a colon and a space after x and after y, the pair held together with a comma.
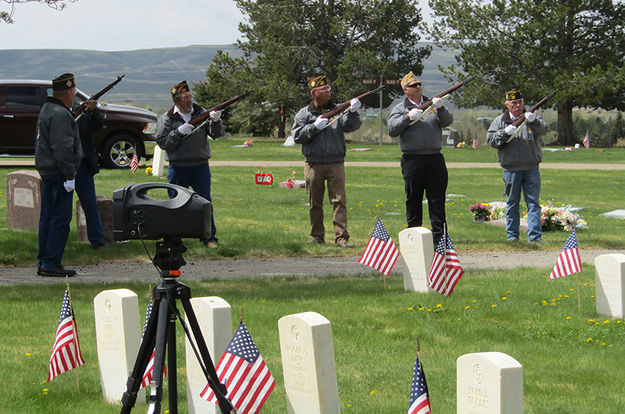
x: 160, y: 334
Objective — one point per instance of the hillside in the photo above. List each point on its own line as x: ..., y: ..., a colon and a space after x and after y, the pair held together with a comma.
x: 149, y: 72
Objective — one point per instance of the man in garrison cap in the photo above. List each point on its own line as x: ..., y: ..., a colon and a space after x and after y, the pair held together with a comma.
x: 422, y: 163
x: 57, y: 157
x: 519, y: 155
x: 323, y: 146
x: 188, y: 150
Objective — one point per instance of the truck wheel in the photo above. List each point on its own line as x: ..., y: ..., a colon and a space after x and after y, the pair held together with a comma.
x: 118, y: 150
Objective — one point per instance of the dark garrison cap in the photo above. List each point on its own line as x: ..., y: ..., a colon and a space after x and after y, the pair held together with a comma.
x: 63, y: 82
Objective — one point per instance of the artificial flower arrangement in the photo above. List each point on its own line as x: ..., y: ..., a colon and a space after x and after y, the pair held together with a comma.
x: 289, y: 182
x: 551, y: 217
x: 461, y: 144
x: 480, y: 212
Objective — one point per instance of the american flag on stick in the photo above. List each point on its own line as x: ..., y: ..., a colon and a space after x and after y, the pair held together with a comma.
x: 66, y: 353
x: 419, y: 396
x: 244, y: 373
x: 147, y: 375
x: 446, y: 270
x: 569, y: 261
x: 134, y: 163
x: 380, y: 253
x: 586, y: 141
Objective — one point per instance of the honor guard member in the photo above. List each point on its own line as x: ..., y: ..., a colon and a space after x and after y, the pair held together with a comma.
x: 188, y: 150
x: 422, y: 164
x: 519, y: 156
x: 323, y: 146
x: 57, y: 157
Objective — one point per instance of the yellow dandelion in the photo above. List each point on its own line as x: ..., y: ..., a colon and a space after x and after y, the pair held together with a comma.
x: 148, y: 170
x: 28, y: 354
x: 603, y: 344
x: 439, y: 306
x: 597, y: 323
x: 474, y: 300
x: 410, y: 308
x: 589, y: 340
x: 372, y: 392
x: 568, y: 318
x: 421, y: 308
x: 493, y: 305
x: 591, y: 320
x: 466, y: 307
x: 606, y: 321
x: 507, y: 292
x: 504, y: 298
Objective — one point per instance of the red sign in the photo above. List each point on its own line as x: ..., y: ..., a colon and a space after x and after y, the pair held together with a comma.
x: 263, y: 178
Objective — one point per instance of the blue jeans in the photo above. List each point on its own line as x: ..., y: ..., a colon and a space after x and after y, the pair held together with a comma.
x: 54, y: 219
x: 529, y: 182
x: 85, y: 188
x: 198, y: 177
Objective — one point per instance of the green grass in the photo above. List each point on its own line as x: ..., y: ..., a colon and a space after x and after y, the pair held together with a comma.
x: 571, y: 359
x: 272, y: 221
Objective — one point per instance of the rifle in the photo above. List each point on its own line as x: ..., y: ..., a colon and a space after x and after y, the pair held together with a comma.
x: 78, y: 112
x: 344, y: 107
x: 425, y: 106
x: 202, y: 119
x: 520, y: 121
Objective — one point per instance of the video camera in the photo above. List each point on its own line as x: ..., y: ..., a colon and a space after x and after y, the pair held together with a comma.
x: 136, y: 215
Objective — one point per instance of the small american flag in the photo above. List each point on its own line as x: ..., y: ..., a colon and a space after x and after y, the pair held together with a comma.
x: 247, y: 378
x: 476, y: 143
x: 586, y: 141
x: 66, y: 353
x: 419, y: 399
x: 134, y: 163
x: 446, y: 270
x: 569, y: 261
x: 147, y: 375
x: 380, y: 253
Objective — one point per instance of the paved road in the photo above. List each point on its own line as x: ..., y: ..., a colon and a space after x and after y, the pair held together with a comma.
x: 247, y: 268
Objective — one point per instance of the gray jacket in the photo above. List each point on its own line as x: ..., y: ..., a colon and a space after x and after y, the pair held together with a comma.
x: 524, y: 151
x: 423, y: 137
x: 57, y: 149
x: 186, y: 150
x: 326, y: 145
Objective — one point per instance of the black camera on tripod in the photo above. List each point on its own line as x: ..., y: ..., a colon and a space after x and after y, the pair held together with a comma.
x: 137, y: 215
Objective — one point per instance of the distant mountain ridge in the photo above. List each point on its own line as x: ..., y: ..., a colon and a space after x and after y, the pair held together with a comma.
x: 149, y: 72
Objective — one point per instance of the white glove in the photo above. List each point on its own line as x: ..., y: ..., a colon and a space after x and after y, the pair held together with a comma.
x: 185, y: 129
x: 510, y: 129
x: 437, y: 102
x: 320, y: 122
x: 69, y: 185
x: 215, y: 115
x: 530, y: 116
x: 354, y: 105
x: 414, y: 113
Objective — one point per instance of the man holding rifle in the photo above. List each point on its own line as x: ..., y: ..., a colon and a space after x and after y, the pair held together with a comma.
x: 519, y: 154
x: 323, y: 145
x: 422, y: 164
x: 187, y: 147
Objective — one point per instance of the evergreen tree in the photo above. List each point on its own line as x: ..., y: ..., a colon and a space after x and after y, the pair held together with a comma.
x: 574, y: 46
x: 287, y: 42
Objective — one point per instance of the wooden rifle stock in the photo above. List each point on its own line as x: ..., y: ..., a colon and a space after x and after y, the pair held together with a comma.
x: 342, y: 107
x: 205, y: 115
x: 425, y: 105
x: 517, y: 122
x: 97, y: 96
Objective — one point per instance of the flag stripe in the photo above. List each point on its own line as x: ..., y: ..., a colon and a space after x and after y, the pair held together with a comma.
x: 569, y: 261
x: 66, y: 353
x: 380, y: 253
x: 446, y: 271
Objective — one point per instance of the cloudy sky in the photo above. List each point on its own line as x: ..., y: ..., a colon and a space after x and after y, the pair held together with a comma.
x: 114, y: 25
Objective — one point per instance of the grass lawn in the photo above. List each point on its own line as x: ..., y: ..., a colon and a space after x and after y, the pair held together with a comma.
x: 571, y: 359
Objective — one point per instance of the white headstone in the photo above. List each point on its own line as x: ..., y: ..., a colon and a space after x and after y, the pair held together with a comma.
x: 118, y: 336
x: 214, y: 317
x: 489, y: 383
x: 614, y: 214
x: 417, y: 252
x: 308, y: 364
x: 158, y: 161
x: 610, y: 284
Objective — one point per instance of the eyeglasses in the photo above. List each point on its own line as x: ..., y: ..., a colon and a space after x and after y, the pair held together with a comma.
x: 414, y: 85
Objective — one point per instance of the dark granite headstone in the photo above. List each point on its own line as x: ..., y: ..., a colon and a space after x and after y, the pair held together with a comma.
x: 105, y: 205
x: 23, y: 200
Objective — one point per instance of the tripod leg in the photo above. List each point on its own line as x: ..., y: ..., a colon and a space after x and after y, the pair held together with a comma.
x: 207, y: 363
x: 162, y: 333
x: 171, y: 358
x: 145, y: 351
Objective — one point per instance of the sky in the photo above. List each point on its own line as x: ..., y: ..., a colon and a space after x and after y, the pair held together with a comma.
x: 115, y: 25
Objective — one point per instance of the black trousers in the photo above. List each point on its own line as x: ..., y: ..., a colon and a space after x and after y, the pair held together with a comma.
x: 425, y: 173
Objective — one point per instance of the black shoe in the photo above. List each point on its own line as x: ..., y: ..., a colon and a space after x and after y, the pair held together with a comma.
x: 98, y: 246
x: 59, y: 271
